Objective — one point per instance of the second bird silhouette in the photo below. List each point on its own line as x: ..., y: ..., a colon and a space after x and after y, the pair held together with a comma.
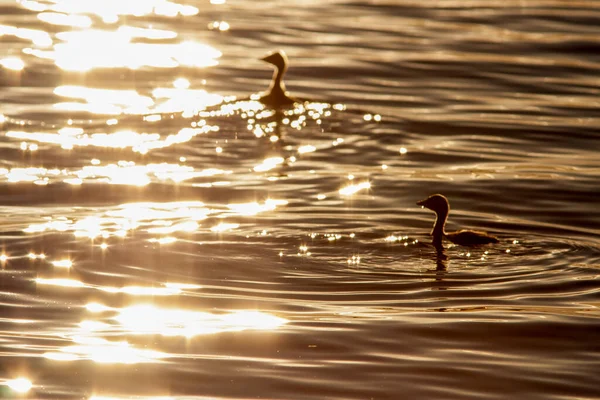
x: 276, y: 96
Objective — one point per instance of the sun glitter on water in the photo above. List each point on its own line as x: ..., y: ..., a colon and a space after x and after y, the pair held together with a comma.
x: 19, y: 385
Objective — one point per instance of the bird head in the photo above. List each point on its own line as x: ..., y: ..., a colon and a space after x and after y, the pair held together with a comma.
x: 435, y: 202
x: 276, y: 58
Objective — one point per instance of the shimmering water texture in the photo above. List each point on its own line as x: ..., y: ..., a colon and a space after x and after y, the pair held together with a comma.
x: 175, y: 228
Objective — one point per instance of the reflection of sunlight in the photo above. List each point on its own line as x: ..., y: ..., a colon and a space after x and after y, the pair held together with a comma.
x: 78, y: 21
x: 143, y: 291
x: 268, y: 164
x: 352, y: 189
x: 265, y: 122
x: 97, y: 307
x: 138, y: 142
x: 232, y: 107
x: 181, y: 83
x: 130, y: 290
x: 188, y: 226
x: 12, y: 63
x: 19, y: 385
x: 138, y: 212
x: 122, y: 173
x: 255, y: 208
x: 105, y: 352
x: 60, y: 282
x: 181, y: 286
x: 153, y: 218
x: 163, y: 240
x: 148, y: 319
x: 219, y: 25
x: 63, y: 263
x: 84, y: 50
x: 152, y: 320
x: 128, y: 98
x: 306, y: 149
x: 144, y: 398
x: 58, y: 225
x: 91, y: 326
x: 110, y: 10
x: 223, y: 227
x: 37, y: 37
x: 60, y: 356
x: 115, y: 102
x: 186, y: 100
x: 354, y: 260
x: 405, y: 239
x: 184, y: 135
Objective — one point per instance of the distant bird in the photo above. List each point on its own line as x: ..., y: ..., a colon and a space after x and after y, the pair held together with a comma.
x: 277, y: 96
x: 440, y: 205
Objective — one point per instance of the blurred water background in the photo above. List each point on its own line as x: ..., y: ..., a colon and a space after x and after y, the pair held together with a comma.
x: 157, y: 245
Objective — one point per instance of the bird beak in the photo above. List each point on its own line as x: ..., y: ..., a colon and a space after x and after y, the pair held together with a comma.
x: 421, y: 203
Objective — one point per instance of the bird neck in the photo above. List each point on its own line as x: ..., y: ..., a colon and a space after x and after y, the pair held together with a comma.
x: 277, y: 84
x: 438, y: 231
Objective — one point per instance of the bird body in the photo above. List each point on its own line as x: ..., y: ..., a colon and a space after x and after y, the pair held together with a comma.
x: 440, y: 205
x: 467, y: 237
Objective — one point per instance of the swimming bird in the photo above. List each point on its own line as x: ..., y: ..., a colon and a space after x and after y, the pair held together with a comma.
x: 440, y: 205
x: 277, y: 96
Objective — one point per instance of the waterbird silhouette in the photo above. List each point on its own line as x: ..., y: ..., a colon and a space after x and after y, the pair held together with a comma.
x: 276, y: 96
x: 440, y: 205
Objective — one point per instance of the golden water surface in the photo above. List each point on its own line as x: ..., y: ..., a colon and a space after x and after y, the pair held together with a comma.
x: 167, y: 236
